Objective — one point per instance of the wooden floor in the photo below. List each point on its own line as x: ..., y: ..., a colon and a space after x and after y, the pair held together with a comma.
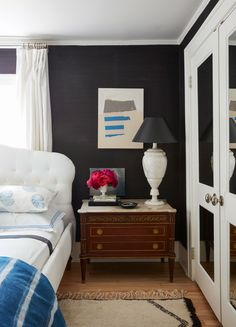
x: 132, y: 276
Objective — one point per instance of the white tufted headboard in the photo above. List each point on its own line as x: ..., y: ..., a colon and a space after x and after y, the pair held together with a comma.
x: 48, y: 169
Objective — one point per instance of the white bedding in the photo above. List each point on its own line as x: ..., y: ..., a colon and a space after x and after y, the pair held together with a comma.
x: 53, y: 171
x: 34, y: 252
x: 28, y: 220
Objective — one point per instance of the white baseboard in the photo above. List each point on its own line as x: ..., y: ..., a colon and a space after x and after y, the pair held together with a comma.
x: 76, y: 255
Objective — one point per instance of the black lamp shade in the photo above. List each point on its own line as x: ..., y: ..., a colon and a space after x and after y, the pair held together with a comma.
x: 154, y: 130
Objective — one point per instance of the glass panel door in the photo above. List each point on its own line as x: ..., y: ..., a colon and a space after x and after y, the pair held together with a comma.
x: 227, y: 48
x: 232, y: 270
x: 207, y: 241
x: 204, y: 98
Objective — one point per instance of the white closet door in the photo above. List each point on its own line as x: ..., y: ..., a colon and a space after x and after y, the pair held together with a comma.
x: 227, y: 67
x: 205, y: 158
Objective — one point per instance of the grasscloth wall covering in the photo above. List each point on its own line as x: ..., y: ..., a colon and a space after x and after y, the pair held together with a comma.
x: 7, y: 61
x: 76, y: 73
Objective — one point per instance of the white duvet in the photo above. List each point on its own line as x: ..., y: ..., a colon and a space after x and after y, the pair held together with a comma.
x: 32, y: 251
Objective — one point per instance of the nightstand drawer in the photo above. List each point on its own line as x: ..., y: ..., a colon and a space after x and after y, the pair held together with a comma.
x: 158, y: 246
x: 128, y: 230
x: 128, y: 218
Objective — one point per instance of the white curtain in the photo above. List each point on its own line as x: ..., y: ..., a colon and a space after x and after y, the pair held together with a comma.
x: 33, y: 97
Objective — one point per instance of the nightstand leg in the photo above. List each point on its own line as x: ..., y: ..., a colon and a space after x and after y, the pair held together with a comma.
x: 83, y: 263
x: 171, y: 268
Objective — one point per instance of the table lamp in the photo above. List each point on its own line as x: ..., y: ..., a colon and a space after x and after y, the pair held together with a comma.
x: 154, y: 130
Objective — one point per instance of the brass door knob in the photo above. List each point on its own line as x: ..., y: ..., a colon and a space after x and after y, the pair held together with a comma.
x: 214, y: 200
x: 208, y: 198
x: 155, y: 246
x: 99, y: 246
x: 99, y: 231
x: 221, y: 200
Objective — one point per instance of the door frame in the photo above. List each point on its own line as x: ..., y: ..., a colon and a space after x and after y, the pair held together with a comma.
x: 220, y: 12
x: 209, y: 286
x: 226, y: 29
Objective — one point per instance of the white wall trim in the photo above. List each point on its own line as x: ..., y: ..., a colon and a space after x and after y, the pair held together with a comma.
x: 112, y: 42
x: 15, y: 42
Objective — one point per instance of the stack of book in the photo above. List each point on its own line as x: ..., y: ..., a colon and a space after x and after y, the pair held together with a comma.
x: 100, y: 200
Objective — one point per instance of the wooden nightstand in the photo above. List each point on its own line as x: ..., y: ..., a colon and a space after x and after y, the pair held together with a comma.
x: 115, y: 232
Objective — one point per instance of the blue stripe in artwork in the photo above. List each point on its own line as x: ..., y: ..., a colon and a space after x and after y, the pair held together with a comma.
x: 111, y: 135
x: 111, y: 127
x: 115, y: 118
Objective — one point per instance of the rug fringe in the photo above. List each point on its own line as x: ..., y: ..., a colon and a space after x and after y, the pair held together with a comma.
x: 153, y: 294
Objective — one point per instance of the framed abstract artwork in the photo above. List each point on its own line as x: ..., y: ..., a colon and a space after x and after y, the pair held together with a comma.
x: 120, y: 114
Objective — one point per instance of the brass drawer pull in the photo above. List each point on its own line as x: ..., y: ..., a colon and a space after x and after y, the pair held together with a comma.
x: 155, y: 246
x: 99, y: 246
x: 155, y: 231
x: 99, y: 231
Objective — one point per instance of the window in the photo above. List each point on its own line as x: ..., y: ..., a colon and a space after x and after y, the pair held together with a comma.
x: 11, y: 129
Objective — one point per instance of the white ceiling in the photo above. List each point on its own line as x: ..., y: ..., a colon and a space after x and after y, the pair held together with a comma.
x: 98, y: 20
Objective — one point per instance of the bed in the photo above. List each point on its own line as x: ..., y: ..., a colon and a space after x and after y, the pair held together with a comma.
x: 20, y: 167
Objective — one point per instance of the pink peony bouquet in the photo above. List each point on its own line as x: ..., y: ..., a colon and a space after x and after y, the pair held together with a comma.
x: 102, y: 177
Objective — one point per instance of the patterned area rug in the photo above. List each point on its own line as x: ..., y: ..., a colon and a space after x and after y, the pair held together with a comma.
x: 155, y: 308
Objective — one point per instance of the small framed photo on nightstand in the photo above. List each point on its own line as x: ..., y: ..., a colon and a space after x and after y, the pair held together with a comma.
x: 119, y: 190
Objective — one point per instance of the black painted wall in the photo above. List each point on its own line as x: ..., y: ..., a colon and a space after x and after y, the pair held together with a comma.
x: 7, y: 61
x: 76, y: 73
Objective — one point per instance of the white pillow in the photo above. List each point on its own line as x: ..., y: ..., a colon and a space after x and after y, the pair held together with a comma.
x: 18, y: 221
x: 22, y: 198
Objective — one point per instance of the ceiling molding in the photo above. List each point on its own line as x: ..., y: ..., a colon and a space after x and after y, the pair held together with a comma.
x: 112, y: 42
x: 192, y: 20
x: 14, y: 42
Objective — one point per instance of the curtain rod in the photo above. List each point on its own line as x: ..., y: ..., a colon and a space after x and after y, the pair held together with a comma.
x: 31, y: 44
x: 35, y: 45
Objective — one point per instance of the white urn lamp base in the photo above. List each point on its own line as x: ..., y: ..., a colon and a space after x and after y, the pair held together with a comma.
x: 155, y: 202
x: 154, y: 166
